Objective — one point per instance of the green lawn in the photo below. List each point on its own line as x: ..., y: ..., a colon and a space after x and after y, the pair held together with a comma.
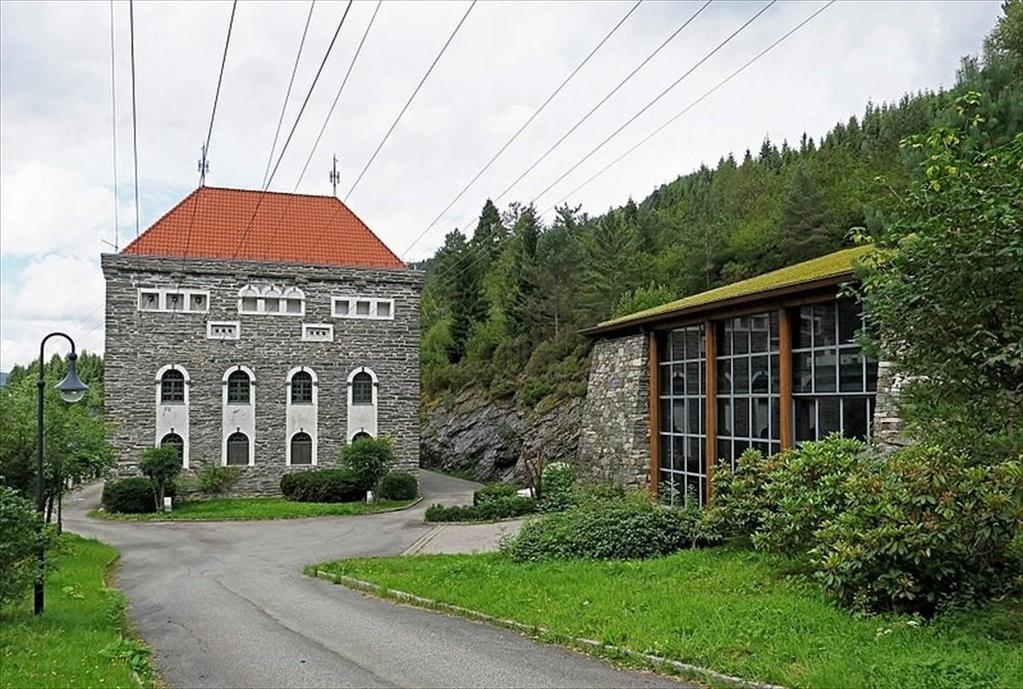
x: 728, y: 610
x: 82, y: 638
x: 232, y: 509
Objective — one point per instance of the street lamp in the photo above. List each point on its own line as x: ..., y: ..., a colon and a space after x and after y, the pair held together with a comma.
x: 71, y: 389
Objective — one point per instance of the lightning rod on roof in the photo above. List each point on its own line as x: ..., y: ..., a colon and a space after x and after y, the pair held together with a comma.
x: 335, y: 176
x: 204, y: 167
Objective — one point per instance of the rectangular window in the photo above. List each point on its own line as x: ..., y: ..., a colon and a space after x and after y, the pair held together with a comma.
x: 223, y: 330
x: 294, y: 305
x: 363, y: 307
x: 317, y: 332
x: 174, y: 300
x: 250, y: 305
x: 271, y: 305
x: 833, y: 382
x: 149, y: 301
x: 683, y: 425
x: 748, y: 392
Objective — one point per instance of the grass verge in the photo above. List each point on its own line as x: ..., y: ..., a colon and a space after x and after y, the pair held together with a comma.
x: 727, y: 610
x: 83, y: 638
x: 242, y: 509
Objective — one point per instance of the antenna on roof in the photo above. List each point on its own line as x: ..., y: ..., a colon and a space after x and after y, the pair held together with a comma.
x: 204, y: 167
x: 335, y: 176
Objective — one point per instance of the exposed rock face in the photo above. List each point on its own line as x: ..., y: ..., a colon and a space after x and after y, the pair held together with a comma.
x: 491, y: 438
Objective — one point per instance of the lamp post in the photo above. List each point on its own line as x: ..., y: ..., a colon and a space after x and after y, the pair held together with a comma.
x: 71, y: 389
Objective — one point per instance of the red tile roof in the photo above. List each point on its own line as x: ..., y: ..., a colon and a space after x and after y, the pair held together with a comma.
x: 218, y: 223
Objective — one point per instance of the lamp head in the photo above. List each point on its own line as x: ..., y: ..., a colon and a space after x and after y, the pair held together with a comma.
x: 71, y: 388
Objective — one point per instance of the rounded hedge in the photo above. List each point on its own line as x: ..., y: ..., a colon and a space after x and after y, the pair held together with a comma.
x: 399, y: 485
x: 131, y: 495
x: 487, y: 511
x: 493, y: 491
x: 619, y: 531
x: 323, y: 485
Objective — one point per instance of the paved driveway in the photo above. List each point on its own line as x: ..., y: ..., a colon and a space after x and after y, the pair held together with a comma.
x: 226, y: 605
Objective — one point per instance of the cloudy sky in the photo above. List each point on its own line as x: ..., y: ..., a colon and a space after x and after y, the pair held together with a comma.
x: 56, y: 128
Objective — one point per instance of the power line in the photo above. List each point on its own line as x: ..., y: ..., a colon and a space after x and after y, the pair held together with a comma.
x: 220, y: 78
x: 523, y: 127
x: 287, y: 94
x: 469, y: 259
x: 410, y: 99
x: 603, y: 100
x: 337, y: 97
x: 209, y: 131
x: 689, y: 107
x: 294, y: 126
x: 113, y: 121
x: 134, y: 119
x: 660, y: 95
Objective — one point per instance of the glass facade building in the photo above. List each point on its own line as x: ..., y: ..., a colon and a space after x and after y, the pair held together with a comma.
x: 763, y: 380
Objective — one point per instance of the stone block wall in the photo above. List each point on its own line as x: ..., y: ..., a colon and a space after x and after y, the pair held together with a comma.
x: 139, y: 343
x: 614, y: 444
x: 887, y: 432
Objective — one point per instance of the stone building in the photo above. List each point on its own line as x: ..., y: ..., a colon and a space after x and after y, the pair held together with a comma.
x: 262, y: 331
x: 764, y: 363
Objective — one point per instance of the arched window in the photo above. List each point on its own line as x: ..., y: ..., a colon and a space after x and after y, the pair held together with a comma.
x: 301, y: 449
x: 237, y: 449
x: 362, y: 388
x: 238, y: 385
x: 172, y: 387
x: 361, y: 435
x: 302, y: 388
x: 177, y: 442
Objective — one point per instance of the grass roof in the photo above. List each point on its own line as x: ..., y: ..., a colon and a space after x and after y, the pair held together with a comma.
x: 829, y: 266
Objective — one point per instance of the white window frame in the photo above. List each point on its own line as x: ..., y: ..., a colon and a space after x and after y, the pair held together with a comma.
x: 306, y: 327
x: 351, y: 300
x: 161, y: 299
x: 210, y: 325
x: 262, y: 294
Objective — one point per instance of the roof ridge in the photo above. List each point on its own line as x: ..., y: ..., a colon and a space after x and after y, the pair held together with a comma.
x: 268, y: 191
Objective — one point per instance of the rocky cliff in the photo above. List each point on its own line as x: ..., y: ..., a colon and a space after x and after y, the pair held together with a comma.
x: 489, y: 438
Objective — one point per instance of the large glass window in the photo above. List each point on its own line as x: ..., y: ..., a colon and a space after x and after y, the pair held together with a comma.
x: 833, y: 383
x: 748, y: 389
x: 683, y: 427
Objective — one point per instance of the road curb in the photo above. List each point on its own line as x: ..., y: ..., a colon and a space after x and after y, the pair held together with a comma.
x: 656, y: 662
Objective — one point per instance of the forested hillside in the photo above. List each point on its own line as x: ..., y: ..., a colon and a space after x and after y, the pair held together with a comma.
x: 502, y: 305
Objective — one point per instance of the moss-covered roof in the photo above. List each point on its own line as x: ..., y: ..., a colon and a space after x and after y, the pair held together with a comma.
x: 833, y: 265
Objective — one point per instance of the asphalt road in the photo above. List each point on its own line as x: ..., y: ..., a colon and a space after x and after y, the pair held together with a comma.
x: 226, y: 605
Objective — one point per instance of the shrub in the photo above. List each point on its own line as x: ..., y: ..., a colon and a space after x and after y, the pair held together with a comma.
x: 216, y: 479
x: 599, y: 494
x: 162, y: 465
x: 399, y: 485
x: 493, y: 491
x: 368, y: 459
x: 21, y: 534
x: 922, y: 529
x: 740, y: 497
x: 323, y: 485
x: 131, y: 495
x: 558, y: 480
x: 621, y: 530
x: 804, y: 489
x: 487, y: 511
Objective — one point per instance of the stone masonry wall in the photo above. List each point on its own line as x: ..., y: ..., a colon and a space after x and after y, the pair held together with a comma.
x: 139, y: 343
x: 614, y: 444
